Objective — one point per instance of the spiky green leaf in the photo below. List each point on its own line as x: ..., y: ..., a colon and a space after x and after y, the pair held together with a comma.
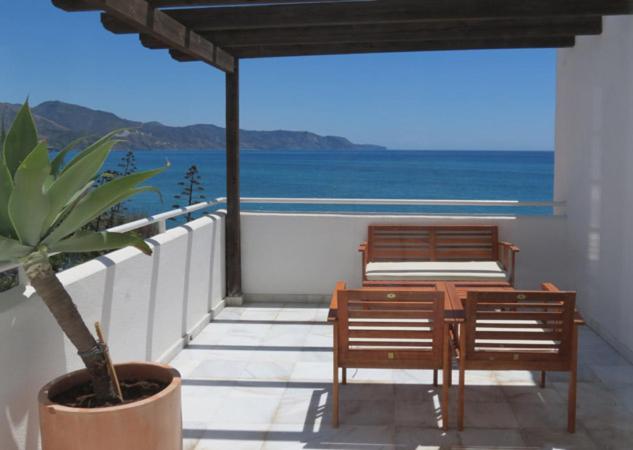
x: 100, y: 200
x: 58, y: 162
x: 91, y: 241
x: 28, y: 204
x: 71, y: 181
x: 6, y: 187
x: 93, y: 147
x: 21, y: 139
x: 12, y: 250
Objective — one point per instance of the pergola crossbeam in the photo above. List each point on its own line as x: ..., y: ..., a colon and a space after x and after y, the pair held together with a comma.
x: 381, y: 11
x: 412, y: 31
x: 140, y: 16
x: 263, y: 51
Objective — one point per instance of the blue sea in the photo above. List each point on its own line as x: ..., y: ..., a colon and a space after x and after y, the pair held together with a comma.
x: 399, y: 174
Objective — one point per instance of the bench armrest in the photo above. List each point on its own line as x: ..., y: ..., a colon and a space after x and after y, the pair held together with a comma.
x: 333, y: 313
x: 362, y: 248
x: 510, y: 245
x: 508, y: 252
x: 551, y: 287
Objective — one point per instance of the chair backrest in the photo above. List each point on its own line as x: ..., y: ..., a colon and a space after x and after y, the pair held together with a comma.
x: 432, y: 243
x: 519, y: 328
x: 391, y: 328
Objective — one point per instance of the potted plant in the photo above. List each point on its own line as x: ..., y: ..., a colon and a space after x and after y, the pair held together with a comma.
x: 44, y: 204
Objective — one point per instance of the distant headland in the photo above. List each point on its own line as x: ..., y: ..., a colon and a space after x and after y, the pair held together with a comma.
x: 61, y: 123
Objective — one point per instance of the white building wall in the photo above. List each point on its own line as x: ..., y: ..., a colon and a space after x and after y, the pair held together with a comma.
x: 302, y: 256
x: 594, y: 174
x: 147, y: 306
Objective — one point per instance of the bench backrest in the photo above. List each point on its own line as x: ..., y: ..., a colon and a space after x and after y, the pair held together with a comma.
x: 432, y: 243
x: 390, y: 328
x: 519, y: 328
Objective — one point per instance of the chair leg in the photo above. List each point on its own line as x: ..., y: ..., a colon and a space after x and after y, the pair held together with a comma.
x: 542, y: 378
x: 344, y: 378
x: 335, y: 397
x: 462, y: 381
x: 446, y: 364
x: 435, y: 377
x: 573, y: 375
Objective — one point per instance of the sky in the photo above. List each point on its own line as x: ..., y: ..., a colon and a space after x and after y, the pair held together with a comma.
x: 488, y: 100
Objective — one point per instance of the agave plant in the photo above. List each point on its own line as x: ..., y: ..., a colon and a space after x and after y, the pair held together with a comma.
x: 44, y: 204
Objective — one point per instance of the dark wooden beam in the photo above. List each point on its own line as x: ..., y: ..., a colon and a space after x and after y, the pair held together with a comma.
x: 181, y: 57
x: 172, y: 3
x: 116, y: 26
x: 382, y: 11
x: 413, y: 31
x: 151, y: 42
x: 83, y: 5
x: 233, y: 249
x: 138, y: 14
x: 263, y: 51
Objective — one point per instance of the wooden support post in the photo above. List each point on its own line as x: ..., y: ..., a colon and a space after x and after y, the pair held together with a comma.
x: 233, y: 241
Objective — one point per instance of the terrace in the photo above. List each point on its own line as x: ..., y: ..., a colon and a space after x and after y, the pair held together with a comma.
x: 237, y: 300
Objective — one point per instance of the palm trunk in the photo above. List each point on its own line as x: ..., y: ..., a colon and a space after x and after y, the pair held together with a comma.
x: 50, y: 289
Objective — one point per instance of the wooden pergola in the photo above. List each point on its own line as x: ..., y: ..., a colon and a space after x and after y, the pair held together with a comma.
x: 221, y: 32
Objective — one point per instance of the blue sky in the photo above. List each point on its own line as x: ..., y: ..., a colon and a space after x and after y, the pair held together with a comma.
x: 497, y: 100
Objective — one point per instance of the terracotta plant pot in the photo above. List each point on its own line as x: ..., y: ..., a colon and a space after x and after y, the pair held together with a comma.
x: 154, y: 423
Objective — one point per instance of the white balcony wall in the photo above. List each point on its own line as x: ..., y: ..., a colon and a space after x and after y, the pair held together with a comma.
x: 594, y: 167
x: 148, y: 306
x: 301, y: 256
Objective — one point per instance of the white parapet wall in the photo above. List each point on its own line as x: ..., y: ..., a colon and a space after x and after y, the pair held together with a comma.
x: 148, y: 307
x: 594, y: 164
x: 301, y: 256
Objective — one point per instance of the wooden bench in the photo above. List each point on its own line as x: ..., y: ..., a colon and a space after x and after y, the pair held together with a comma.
x: 395, y: 328
x: 520, y: 330
x: 413, y: 253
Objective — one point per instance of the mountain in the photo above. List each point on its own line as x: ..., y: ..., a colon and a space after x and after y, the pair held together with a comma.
x: 61, y: 123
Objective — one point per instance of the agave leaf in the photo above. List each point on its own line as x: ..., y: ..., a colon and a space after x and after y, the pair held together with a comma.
x: 58, y: 161
x: 91, y: 241
x: 28, y: 204
x: 6, y: 187
x: 12, y: 250
x: 79, y: 195
x: 93, y: 147
x: 64, y: 188
x: 20, y: 140
x: 100, y: 200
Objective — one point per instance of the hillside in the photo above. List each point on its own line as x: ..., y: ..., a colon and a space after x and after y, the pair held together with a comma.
x: 61, y: 123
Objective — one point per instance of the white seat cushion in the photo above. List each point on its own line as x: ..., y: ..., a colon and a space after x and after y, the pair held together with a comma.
x: 435, y: 270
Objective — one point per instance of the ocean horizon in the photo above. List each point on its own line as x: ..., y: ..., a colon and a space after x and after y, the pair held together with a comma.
x: 395, y: 174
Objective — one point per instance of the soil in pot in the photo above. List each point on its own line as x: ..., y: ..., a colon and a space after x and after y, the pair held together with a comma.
x: 82, y: 395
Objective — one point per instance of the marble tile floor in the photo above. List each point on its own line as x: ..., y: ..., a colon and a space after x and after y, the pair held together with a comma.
x: 259, y: 377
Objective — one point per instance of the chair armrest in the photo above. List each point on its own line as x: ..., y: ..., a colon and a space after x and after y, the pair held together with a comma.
x: 362, y: 247
x: 551, y: 287
x: 333, y: 313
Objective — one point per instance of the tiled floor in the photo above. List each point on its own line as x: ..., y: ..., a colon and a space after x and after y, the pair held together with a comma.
x: 259, y: 376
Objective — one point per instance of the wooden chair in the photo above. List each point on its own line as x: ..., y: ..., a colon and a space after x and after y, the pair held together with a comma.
x: 520, y: 330
x: 395, y: 328
x: 413, y: 253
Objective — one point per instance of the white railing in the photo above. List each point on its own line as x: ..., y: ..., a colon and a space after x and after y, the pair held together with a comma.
x: 393, y: 202
x: 161, y: 218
